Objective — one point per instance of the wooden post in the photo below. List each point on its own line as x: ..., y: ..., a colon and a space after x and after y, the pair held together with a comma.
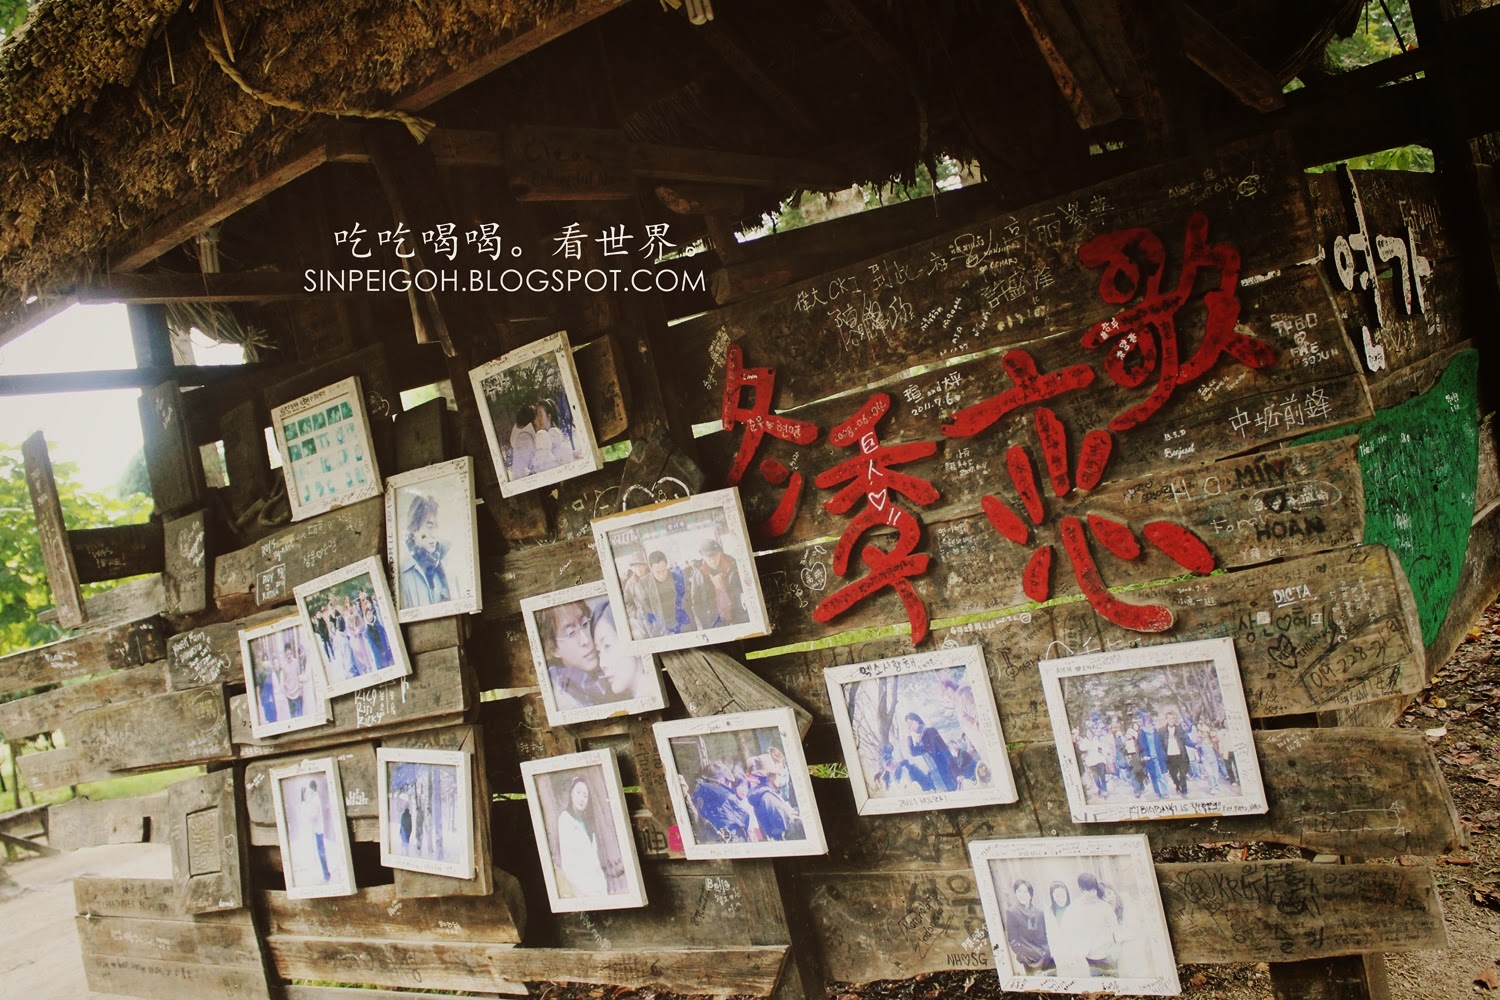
x: 57, y: 554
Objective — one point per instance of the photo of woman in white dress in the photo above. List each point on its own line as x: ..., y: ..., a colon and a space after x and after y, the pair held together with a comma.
x: 579, y: 865
x: 583, y: 833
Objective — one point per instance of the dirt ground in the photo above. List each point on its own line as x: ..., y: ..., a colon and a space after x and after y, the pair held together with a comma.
x: 1460, y: 715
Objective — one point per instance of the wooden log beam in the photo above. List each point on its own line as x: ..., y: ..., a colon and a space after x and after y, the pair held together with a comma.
x: 166, y: 730
x: 122, y: 378
x: 1064, y: 47
x: 54, y: 710
x: 166, y: 287
x: 123, y: 603
x: 1212, y: 51
x: 81, y: 822
x: 378, y: 912
x: 52, y: 533
x: 117, y: 551
x: 113, y: 648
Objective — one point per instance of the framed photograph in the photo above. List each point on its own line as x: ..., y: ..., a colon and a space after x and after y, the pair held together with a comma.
x: 921, y: 732
x: 312, y: 829
x: 740, y: 787
x: 282, y: 677
x: 1075, y: 915
x: 432, y: 540
x: 683, y: 571
x: 326, y: 453
x: 352, y: 620
x: 580, y: 658
x: 1158, y: 732
x: 583, y: 832
x: 426, y: 811
x: 534, y: 416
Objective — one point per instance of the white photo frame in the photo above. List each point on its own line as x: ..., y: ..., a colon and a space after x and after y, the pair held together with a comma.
x: 539, y: 381
x: 357, y: 649
x: 711, y: 602
x: 432, y: 541
x: 314, y: 832
x: 283, y: 677
x: 586, y: 843
x: 1098, y: 883
x: 327, y: 453
x: 921, y: 731
x: 426, y: 810
x: 1217, y: 772
x: 591, y: 676
x: 701, y: 754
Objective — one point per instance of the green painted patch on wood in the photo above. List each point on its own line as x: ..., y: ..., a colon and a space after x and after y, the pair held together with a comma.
x: 1420, y: 465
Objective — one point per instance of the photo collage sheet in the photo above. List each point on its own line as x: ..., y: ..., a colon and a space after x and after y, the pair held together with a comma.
x: 1159, y: 732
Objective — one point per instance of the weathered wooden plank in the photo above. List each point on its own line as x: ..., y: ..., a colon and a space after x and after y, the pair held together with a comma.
x: 422, y: 436
x: 1477, y: 587
x: 1344, y: 640
x: 53, y: 710
x: 166, y: 730
x: 82, y: 823
x: 549, y: 163
x: 125, y: 602
x: 211, y: 654
x: 150, y: 898
x: 115, y: 647
x: 208, y: 856
x: 713, y: 683
x: 1065, y: 49
x: 52, y: 533
x: 470, y: 740
x: 293, y: 992
x: 356, y: 764
x: 154, y: 979
x: 605, y: 387
x: 1217, y: 55
x: 1008, y: 280
x: 245, y: 459
x: 438, y: 688
x: 303, y: 552
x: 60, y: 768
x: 186, y: 575
x: 220, y: 945
x: 117, y: 551
x: 379, y: 913
x: 899, y: 924
x: 494, y: 967
x: 690, y: 907
x: 172, y: 458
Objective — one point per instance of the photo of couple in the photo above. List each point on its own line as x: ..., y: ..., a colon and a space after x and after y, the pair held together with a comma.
x: 426, y: 811
x: 583, y: 668
x: 534, y: 416
x: 921, y: 731
x: 1075, y: 914
x: 1155, y: 732
x: 313, y: 831
x: 285, y: 693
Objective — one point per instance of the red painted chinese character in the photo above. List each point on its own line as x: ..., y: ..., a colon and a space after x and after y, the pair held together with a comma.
x: 1142, y: 339
x: 1179, y: 544
x: 1028, y: 386
x: 758, y: 421
x: 871, y: 478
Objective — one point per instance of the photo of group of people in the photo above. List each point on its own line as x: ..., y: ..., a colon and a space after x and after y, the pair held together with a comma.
x: 583, y: 832
x: 312, y: 828
x: 326, y: 451
x: 1075, y: 914
x: 432, y: 540
x: 921, y: 732
x: 683, y: 572
x: 534, y: 416
x: 580, y: 659
x: 353, y: 623
x: 285, y: 687
x: 1156, y: 732
x: 740, y: 785
x: 426, y: 811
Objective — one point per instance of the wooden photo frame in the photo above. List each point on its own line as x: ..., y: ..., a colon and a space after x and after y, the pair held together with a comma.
x: 352, y: 619
x: 580, y: 659
x: 283, y: 677
x: 534, y: 415
x: 921, y: 731
x: 1154, y: 732
x: 432, y: 541
x: 327, y: 454
x: 1098, y: 925
x: 312, y: 829
x: 693, y: 554
x: 426, y: 810
x: 583, y: 832
x: 747, y: 778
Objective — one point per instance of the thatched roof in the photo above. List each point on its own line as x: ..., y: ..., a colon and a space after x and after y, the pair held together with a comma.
x: 116, y: 115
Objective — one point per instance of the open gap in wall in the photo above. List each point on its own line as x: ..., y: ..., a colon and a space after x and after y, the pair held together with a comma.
x: 1414, y: 158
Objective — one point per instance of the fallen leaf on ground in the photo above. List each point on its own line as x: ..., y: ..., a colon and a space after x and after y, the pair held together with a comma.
x: 1488, y: 898
x: 1438, y: 702
x: 1455, y: 861
x: 1488, y: 979
x: 1199, y: 980
x: 1436, y: 734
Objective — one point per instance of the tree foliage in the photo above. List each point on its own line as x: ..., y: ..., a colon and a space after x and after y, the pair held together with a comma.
x: 23, y: 584
x: 12, y: 13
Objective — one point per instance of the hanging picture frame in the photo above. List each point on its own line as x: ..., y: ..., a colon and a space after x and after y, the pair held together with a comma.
x: 327, y: 454
x: 283, y: 677
x: 432, y: 541
x: 350, y: 614
x: 312, y: 829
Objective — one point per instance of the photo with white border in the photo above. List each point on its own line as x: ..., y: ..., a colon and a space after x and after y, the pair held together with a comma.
x: 426, y: 800
x: 312, y: 829
x: 327, y: 453
x: 283, y: 678
x: 583, y: 832
x: 432, y: 541
x: 352, y: 619
x: 1154, y: 732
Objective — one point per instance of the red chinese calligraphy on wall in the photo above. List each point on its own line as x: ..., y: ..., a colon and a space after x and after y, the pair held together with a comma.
x: 1143, y: 339
x: 871, y: 477
x: 758, y: 421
